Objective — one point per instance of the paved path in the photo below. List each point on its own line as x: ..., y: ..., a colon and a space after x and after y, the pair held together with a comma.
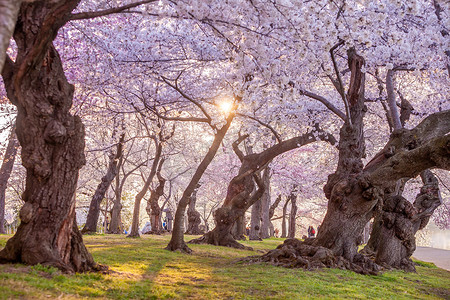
x: 439, y: 257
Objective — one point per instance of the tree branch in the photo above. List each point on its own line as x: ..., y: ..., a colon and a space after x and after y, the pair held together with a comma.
x: 95, y: 14
x: 325, y: 102
x: 341, y: 85
x: 391, y: 100
x: 277, y: 136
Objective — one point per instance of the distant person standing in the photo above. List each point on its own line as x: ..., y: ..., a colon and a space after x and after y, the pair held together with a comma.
x: 311, y: 232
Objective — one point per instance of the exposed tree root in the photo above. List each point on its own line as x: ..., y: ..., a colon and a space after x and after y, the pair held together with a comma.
x: 297, y: 254
x: 181, y: 247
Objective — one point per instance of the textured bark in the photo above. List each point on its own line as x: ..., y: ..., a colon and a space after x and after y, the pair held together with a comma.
x: 52, y: 143
x: 99, y: 195
x: 8, y: 16
x: 177, y: 241
x: 238, y: 230
x: 393, y: 240
x: 5, y: 173
x: 348, y: 212
x: 137, y: 201
x: 153, y: 209
x: 115, y: 227
x: 283, y: 220
x: 355, y: 193
x: 272, y: 212
x: 293, y: 214
x: 193, y: 216
x: 255, y: 221
x: 238, y: 198
x: 265, y: 206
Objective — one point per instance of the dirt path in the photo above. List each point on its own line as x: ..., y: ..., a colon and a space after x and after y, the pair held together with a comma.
x: 439, y: 257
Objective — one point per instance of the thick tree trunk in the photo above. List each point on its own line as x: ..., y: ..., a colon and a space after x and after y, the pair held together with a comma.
x: 239, y: 229
x: 238, y: 198
x: 9, y: 10
x: 293, y: 214
x: 115, y: 227
x: 153, y: 209
x: 265, y: 206
x: 193, y: 216
x: 400, y: 220
x: 52, y: 143
x: 348, y: 212
x: 255, y: 222
x: 272, y: 212
x: 177, y: 241
x: 5, y: 173
x: 283, y: 220
x: 353, y: 200
x: 99, y: 195
x: 137, y: 201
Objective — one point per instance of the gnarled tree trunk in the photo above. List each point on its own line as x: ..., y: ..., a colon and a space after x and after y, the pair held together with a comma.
x: 193, y: 216
x: 153, y: 209
x: 99, y: 195
x: 9, y: 10
x: 238, y: 198
x: 5, y: 173
x: 255, y: 221
x: 393, y: 241
x: 52, y: 143
x: 239, y: 229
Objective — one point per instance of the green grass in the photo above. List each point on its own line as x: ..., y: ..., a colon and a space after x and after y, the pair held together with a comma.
x: 143, y: 270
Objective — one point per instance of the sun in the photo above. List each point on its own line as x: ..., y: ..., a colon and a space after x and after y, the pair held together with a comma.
x: 226, y: 106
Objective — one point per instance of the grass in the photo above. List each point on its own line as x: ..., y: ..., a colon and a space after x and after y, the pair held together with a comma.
x: 143, y: 270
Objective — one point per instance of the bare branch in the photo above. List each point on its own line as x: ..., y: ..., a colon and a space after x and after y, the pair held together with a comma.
x: 277, y: 136
x: 184, y: 95
x: 341, y: 85
x: 325, y: 102
x: 391, y: 100
x: 101, y: 13
x: 236, y: 143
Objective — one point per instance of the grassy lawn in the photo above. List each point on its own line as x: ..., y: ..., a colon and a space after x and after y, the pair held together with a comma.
x: 144, y: 270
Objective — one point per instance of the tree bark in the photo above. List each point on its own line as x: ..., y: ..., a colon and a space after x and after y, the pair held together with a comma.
x: 5, y: 173
x: 115, y: 227
x: 52, y: 143
x: 355, y: 193
x: 239, y: 229
x: 238, y: 198
x: 393, y: 241
x: 153, y: 209
x: 137, y: 201
x: 99, y: 195
x: 177, y: 241
x: 9, y: 10
x: 272, y: 212
x: 283, y: 220
x: 255, y: 221
x: 293, y: 214
x: 193, y: 216
x: 265, y: 206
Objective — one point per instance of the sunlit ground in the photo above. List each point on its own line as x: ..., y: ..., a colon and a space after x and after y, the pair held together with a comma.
x: 142, y: 269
